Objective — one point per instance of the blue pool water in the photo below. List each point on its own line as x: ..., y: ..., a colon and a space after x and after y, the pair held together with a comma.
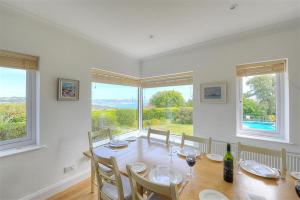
x: 266, y: 126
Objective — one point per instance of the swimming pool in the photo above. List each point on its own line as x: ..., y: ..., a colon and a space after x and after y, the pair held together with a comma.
x: 265, y: 126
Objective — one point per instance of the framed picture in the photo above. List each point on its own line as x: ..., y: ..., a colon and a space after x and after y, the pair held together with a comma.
x: 67, y: 90
x: 213, y: 92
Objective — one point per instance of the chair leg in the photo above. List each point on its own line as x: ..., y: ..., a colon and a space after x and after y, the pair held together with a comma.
x: 92, y: 177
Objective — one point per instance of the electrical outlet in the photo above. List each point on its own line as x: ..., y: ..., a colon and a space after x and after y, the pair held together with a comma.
x: 68, y: 169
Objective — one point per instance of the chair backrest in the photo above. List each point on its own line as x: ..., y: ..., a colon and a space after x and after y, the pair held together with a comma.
x: 281, y: 154
x: 139, y: 184
x: 102, y: 176
x: 113, y: 177
x: 95, y: 136
x: 199, y: 140
x: 159, y: 132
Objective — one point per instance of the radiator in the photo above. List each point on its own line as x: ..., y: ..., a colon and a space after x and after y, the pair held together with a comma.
x: 292, y: 159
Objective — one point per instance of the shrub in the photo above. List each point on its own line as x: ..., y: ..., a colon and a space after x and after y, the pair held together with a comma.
x: 103, y: 119
x: 184, y: 116
x: 126, y: 117
x: 159, y: 113
x: 152, y: 122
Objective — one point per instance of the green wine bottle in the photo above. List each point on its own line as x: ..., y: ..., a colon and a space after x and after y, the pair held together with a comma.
x: 228, y: 165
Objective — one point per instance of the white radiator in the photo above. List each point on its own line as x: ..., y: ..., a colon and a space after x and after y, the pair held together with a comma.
x: 293, y: 159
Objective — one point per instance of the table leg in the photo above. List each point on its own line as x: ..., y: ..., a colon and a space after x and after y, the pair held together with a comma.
x: 92, y: 177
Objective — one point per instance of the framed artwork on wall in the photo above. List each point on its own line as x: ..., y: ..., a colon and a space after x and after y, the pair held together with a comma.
x: 67, y: 89
x: 214, y: 92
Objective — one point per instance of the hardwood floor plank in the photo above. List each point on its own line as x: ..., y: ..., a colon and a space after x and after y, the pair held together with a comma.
x: 80, y: 191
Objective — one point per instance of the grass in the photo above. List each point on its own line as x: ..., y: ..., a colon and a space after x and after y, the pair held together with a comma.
x: 176, y: 129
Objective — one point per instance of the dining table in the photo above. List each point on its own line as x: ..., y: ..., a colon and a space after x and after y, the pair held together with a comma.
x: 207, y: 174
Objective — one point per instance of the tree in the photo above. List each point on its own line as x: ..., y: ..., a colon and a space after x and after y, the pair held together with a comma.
x: 168, y: 98
x: 189, y: 103
x: 262, y: 88
x: 251, y: 107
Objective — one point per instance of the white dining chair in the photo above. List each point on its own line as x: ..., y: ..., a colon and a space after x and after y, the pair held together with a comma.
x: 153, y: 191
x: 101, y: 134
x: 279, y: 154
x: 95, y: 137
x: 165, y: 133
x: 111, y: 186
x: 199, y: 140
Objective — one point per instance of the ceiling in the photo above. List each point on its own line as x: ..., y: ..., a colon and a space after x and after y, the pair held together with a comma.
x: 143, y: 28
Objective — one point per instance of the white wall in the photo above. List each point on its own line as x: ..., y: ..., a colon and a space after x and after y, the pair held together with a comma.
x: 63, y: 125
x: 216, y: 61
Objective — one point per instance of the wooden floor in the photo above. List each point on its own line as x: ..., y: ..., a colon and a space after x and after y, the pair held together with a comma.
x: 80, y: 191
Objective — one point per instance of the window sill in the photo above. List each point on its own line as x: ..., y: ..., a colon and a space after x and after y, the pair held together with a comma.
x: 262, y: 138
x: 15, y: 151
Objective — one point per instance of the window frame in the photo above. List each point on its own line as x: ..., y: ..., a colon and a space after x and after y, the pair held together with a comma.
x: 31, y: 115
x: 281, y: 133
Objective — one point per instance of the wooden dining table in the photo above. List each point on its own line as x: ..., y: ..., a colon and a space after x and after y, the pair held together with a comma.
x: 207, y: 174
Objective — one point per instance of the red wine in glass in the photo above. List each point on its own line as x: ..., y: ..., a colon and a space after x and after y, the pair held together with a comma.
x: 191, y: 161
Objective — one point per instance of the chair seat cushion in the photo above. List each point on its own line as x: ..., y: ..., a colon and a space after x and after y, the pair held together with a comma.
x: 112, y: 191
x: 154, y: 196
x: 104, y: 168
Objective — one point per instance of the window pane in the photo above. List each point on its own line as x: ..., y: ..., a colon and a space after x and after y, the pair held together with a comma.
x: 115, y: 107
x: 259, y: 102
x: 12, y: 103
x: 169, y: 108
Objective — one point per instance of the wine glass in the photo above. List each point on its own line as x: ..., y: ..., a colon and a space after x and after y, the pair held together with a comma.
x: 239, y: 164
x: 191, y: 161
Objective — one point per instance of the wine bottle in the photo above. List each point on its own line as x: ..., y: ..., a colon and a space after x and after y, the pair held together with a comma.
x: 297, y: 187
x: 228, y: 165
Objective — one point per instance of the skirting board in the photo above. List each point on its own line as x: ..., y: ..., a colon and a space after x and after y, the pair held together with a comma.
x: 57, y: 187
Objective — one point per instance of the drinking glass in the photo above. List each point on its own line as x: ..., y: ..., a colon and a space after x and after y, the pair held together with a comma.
x: 191, y: 161
x: 239, y: 164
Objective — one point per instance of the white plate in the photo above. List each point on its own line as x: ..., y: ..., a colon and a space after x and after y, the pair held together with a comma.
x: 258, y: 169
x: 215, y: 157
x: 164, y: 175
x: 295, y: 175
x: 188, y: 150
x: 118, y: 143
x: 131, y: 139
x: 211, y: 195
x: 138, y: 167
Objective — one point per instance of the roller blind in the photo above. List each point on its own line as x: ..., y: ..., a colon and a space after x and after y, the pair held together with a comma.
x: 184, y: 78
x: 18, y: 60
x: 269, y: 67
x: 103, y: 76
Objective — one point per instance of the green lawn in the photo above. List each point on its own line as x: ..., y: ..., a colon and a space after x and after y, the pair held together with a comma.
x: 176, y: 129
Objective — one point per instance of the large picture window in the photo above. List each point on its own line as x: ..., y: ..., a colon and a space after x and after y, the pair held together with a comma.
x: 169, y: 108
x: 261, y: 108
x: 115, y: 107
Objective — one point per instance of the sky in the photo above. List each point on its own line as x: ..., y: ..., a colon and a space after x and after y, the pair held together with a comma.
x: 12, y: 82
x: 109, y: 91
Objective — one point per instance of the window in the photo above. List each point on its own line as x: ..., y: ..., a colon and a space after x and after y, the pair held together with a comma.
x: 169, y: 108
x: 16, y: 107
x: 17, y: 99
x: 124, y: 103
x: 115, y: 107
x: 261, y: 104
